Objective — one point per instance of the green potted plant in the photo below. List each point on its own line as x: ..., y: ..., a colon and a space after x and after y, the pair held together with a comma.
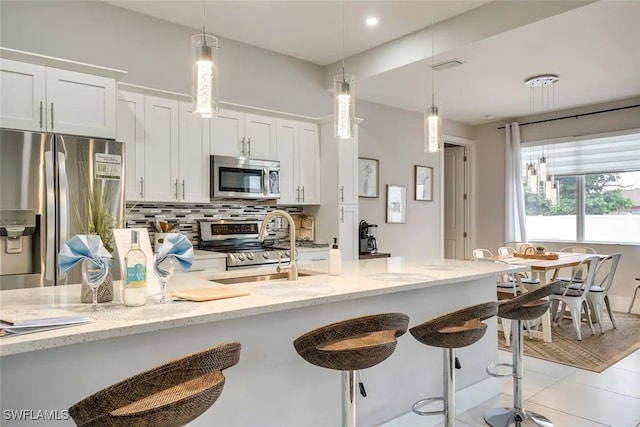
x: 540, y: 249
x: 92, y: 215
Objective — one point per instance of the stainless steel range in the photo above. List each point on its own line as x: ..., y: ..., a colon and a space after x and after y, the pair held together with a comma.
x: 239, y: 240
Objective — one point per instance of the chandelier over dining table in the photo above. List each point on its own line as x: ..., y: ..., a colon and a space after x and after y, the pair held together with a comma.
x: 539, y: 171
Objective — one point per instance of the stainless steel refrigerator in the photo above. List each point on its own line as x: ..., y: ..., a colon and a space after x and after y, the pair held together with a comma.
x: 46, y: 184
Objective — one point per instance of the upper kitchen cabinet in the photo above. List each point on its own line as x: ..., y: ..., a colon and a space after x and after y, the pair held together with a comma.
x: 239, y: 134
x: 167, y: 148
x: 194, y: 155
x: 298, y: 149
x: 161, y: 162
x: 41, y: 98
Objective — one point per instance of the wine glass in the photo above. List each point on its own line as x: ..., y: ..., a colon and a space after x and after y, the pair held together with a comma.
x: 94, y: 276
x: 164, y: 271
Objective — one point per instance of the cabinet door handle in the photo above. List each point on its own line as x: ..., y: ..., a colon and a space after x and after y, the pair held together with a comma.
x: 183, y: 192
x: 52, y: 115
x: 342, y: 214
x: 298, y: 193
x: 342, y: 193
x: 248, y: 147
x: 242, y: 149
x: 176, y: 184
x: 142, y: 187
x: 303, y: 193
x: 40, y: 114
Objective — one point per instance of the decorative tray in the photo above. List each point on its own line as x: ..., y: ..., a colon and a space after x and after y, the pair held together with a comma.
x: 547, y: 255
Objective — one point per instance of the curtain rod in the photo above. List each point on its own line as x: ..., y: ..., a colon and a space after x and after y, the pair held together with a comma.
x: 575, y: 116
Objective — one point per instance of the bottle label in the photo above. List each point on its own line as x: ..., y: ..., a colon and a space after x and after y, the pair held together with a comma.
x: 137, y: 276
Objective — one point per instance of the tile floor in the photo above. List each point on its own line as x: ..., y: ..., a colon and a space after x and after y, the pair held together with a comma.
x: 572, y: 397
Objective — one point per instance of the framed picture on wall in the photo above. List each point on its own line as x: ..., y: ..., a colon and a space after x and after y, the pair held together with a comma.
x: 368, y: 177
x: 424, y: 183
x: 396, y: 204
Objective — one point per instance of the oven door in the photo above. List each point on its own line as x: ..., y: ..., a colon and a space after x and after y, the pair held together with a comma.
x: 239, y: 178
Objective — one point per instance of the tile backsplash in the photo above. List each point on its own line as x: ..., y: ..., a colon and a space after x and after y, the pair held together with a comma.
x: 187, y: 215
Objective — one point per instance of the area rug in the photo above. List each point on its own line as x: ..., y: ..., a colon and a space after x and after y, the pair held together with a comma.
x: 595, y: 352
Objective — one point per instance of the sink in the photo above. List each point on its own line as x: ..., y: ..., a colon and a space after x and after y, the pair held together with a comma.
x: 259, y: 278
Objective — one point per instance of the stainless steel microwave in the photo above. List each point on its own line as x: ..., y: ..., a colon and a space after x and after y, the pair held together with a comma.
x: 244, y: 178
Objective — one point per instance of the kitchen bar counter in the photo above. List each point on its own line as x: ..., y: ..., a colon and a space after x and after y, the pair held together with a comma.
x: 54, y: 369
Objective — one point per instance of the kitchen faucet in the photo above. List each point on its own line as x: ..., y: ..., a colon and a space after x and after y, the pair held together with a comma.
x: 293, y: 269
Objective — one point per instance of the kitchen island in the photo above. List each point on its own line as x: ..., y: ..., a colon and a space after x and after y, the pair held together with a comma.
x: 272, y: 385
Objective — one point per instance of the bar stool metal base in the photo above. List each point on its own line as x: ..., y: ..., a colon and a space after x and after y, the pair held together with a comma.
x: 349, y: 394
x: 511, y: 417
x: 449, y: 388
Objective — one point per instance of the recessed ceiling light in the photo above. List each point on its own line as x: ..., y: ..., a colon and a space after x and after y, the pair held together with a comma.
x: 372, y: 21
x: 489, y: 117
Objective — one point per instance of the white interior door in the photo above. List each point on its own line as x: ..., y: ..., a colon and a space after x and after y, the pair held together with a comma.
x: 454, y: 203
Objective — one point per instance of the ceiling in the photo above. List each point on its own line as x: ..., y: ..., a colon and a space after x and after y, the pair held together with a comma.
x: 593, y: 47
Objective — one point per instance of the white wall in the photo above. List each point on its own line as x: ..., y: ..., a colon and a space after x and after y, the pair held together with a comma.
x: 157, y: 53
x: 490, y: 143
x: 395, y: 138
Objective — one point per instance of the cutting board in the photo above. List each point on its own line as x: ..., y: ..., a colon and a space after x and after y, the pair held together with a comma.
x: 208, y: 294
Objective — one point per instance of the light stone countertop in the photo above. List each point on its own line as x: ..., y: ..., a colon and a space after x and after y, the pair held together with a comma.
x: 358, y: 279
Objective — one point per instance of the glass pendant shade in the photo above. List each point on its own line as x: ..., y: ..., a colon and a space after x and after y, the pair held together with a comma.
x: 555, y: 195
x: 548, y: 187
x: 432, y: 129
x: 343, y: 106
x: 542, y: 169
x: 204, y: 79
x: 532, y: 181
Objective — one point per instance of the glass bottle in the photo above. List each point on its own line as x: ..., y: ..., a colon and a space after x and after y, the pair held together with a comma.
x: 135, y: 264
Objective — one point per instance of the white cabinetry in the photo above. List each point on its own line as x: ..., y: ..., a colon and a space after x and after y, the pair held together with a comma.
x: 239, y: 134
x: 167, y: 149
x: 298, y: 149
x: 39, y: 98
x: 308, y: 255
x: 338, y: 214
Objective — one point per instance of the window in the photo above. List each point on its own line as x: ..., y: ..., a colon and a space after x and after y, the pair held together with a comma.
x: 599, y: 190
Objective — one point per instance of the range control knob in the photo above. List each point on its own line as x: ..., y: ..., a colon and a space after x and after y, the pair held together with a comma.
x: 287, y: 253
x: 265, y: 255
x: 250, y: 256
x: 241, y: 257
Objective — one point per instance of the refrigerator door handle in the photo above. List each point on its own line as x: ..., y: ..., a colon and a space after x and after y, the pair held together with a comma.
x: 51, y: 218
x: 64, y: 198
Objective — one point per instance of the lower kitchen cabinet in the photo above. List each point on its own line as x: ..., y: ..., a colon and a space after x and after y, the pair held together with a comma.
x: 309, y: 255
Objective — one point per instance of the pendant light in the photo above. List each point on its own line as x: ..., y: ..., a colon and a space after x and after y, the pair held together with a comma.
x: 432, y: 119
x: 343, y: 99
x: 204, y: 77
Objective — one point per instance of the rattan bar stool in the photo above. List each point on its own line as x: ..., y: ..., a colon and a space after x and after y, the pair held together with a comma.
x: 170, y: 395
x: 458, y: 329
x: 528, y: 306
x: 352, y: 345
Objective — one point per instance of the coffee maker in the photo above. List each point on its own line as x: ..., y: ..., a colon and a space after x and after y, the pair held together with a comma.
x: 367, y: 238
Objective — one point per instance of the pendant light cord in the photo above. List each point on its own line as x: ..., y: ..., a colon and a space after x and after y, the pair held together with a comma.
x: 343, y: 76
x: 433, y: 88
x: 204, y: 23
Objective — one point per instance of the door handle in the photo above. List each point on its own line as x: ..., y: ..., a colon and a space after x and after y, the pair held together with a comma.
x: 50, y: 267
x: 41, y: 114
x: 342, y: 193
x: 183, y: 190
x: 342, y: 214
x: 242, y: 149
x: 303, y: 193
x: 176, y: 184
x: 52, y: 115
x: 63, y: 184
x: 298, y: 193
x: 142, y: 187
x: 248, y: 147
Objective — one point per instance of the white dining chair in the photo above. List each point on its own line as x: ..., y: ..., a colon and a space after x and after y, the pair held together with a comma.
x: 482, y: 253
x: 574, y: 295
x: 598, y: 292
x: 634, y: 296
x: 576, y: 250
x: 524, y: 277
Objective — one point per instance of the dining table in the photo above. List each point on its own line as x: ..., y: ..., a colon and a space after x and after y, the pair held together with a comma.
x: 546, y: 271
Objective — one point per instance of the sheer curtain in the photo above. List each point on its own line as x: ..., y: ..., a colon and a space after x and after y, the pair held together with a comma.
x: 514, y: 212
